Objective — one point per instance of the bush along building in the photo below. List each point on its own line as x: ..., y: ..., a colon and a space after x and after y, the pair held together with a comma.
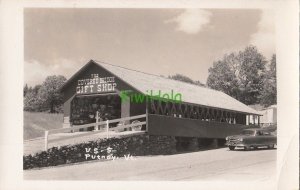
x: 193, y: 115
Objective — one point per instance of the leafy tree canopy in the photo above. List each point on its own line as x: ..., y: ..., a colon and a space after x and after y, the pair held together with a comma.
x: 186, y: 79
x: 240, y: 75
x: 269, y: 92
x: 45, y: 96
x: 49, y: 92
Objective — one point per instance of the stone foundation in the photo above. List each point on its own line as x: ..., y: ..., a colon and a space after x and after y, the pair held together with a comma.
x: 140, y: 145
x: 193, y: 144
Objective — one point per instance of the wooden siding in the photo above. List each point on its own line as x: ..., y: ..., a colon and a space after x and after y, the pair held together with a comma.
x: 183, y: 127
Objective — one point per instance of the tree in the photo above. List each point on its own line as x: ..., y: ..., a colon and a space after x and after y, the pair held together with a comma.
x: 31, y: 102
x: 239, y: 75
x: 25, y: 90
x: 251, y: 74
x: 269, y: 92
x: 36, y: 88
x: 186, y: 79
x: 222, y: 76
x: 49, y: 94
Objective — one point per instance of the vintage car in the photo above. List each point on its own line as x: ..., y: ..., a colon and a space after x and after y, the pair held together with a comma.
x: 252, y: 138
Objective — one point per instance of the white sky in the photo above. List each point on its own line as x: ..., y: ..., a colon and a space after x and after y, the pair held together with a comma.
x: 158, y: 41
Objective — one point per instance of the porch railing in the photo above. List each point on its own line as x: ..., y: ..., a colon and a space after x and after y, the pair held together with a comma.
x: 98, y: 125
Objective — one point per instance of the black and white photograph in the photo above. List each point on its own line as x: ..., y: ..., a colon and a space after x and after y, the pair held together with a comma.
x: 149, y: 94
x: 155, y: 94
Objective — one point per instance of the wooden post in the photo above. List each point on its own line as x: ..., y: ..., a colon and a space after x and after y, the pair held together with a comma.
x: 107, y: 129
x: 248, y: 120
x: 46, y: 140
x: 97, y: 120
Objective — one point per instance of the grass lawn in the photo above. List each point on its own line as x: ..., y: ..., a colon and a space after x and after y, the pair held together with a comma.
x: 36, y: 123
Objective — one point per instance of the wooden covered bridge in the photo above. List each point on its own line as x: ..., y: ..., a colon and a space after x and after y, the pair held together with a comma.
x: 201, y: 112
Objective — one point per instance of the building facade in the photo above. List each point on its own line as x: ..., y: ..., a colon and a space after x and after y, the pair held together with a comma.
x: 269, y: 116
x: 173, y: 108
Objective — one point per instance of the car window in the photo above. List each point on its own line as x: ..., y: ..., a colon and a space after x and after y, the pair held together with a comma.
x: 266, y: 133
x: 259, y: 133
x: 248, y: 132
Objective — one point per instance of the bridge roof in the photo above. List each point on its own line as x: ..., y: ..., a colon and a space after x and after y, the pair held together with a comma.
x: 193, y: 94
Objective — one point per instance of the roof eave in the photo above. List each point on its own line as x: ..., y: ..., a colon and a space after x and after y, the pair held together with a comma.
x: 75, y: 75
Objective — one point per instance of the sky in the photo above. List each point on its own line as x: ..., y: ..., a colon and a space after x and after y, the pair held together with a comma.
x: 157, y: 41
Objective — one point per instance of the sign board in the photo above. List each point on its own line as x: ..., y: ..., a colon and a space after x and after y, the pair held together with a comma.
x: 96, y: 84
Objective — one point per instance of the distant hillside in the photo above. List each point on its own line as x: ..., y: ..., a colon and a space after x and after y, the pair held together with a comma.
x: 36, y: 123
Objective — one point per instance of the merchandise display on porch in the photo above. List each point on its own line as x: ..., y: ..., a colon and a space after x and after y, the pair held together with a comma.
x: 84, y: 109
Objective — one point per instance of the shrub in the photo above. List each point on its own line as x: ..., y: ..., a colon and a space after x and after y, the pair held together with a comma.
x: 135, y: 146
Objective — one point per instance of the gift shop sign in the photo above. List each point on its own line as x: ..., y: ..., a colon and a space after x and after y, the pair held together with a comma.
x: 96, y: 84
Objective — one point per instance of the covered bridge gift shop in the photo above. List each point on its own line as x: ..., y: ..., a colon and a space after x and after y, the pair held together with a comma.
x: 185, y: 110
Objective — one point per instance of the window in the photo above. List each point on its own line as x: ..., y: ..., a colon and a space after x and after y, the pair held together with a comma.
x: 266, y: 133
x: 259, y: 133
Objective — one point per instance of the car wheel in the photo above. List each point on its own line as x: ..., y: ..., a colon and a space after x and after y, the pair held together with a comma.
x: 246, y: 147
x: 231, y: 147
x: 271, y: 146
